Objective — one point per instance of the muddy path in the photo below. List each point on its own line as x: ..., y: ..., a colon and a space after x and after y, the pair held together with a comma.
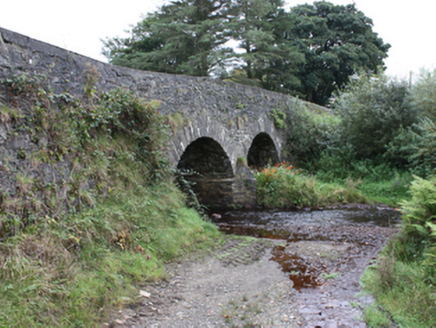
x: 298, y: 272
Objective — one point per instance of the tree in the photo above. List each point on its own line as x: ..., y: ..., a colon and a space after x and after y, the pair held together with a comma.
x: 373, y: 112
x: 264, y: 52
x: 184, y: 37
x: 337, y: 41
x: 310, y: 51
x: 423, y: 94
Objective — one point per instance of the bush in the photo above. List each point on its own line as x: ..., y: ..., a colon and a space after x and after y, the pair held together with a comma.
x: 423, y: 94
x: 285, y: 186
x: 308, y: 133
x: 420, y: 213
x: 415, y: 147
x: 404, y: 279
x: 372, y: 111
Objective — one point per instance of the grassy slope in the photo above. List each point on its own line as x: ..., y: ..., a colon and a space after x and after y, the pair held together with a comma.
x: 404, y: 278
x: 73, y: 249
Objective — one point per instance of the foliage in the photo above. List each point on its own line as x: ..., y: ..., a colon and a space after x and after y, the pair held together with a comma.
x: 376, y: 318
x: 72, y: 269
x: 184, y: 37
x: 373, y: 111
x: 423, y: 94
x: 336, y: 41
x: 279, y: 118
x: 404, y: 278
x: 420, y: 212
x: 308, y: 132
x: 72, y: 249
x: 414, y: 146
x: 257, y: 29
x: 285, y: 186
x: 310, y: 51
x: 401, y: 288
x: 380, y: 182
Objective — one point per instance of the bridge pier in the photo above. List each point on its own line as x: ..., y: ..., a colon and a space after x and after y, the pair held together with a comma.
x: 238, y: 191
x: 219, y: 177
x: 244, y: 188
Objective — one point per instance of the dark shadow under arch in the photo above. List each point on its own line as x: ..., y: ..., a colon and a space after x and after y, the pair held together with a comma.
x: 262, y: 152
x: 210, y: 171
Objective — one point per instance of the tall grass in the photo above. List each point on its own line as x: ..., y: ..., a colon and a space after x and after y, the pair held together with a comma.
x: 285, y: 186
x: 404, y: 278
x: 75, y: 247
x: 70, y: 271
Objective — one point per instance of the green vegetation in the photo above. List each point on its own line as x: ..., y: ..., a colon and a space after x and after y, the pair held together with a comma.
x: 279, y: 118
x: 374, y: 317
x: 404, y: 278
x: 333, y: 275
x: 375, y: 144
x: 284, y: 186
x: 308, y: 51
x: 92, y: 211
x: 374, y: 134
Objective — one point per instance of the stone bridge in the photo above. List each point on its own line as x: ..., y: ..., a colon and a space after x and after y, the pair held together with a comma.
x: 219, y: 128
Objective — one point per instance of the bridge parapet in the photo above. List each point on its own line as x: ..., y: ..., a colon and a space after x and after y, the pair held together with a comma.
x: 230, y: 114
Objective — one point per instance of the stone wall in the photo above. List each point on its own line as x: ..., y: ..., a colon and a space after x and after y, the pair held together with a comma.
x: 232, y: 114
x: 229, y: 113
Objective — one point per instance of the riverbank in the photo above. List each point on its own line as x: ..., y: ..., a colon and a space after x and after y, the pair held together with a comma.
x: 88, y: 206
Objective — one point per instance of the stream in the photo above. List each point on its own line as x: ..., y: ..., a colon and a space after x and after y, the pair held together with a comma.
x: 324, y: 253
x: 302, y: 269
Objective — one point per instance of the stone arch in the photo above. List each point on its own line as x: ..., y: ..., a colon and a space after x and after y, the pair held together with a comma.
x: 262, y: 151
x: 210, y: 171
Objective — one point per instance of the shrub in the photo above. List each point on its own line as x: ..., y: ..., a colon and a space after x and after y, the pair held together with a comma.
x: 372, y: 111
x: 423, y: 94
x: 285, y: 186
x: 415, y: 147
x: 420, y: 212
x: 308, y: 132
x: 404, y: 278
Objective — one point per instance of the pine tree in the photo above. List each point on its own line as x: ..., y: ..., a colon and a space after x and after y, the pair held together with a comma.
x: 184, y: 37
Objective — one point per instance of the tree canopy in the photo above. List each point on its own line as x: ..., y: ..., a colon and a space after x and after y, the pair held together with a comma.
x: 337, y: 41
x: 309, y: 51
x: 184, y: 37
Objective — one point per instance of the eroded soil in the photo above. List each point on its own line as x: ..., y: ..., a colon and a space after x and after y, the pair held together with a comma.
x: 299, y: 276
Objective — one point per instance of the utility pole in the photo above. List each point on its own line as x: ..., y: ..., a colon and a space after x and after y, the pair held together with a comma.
x: 410, y: 79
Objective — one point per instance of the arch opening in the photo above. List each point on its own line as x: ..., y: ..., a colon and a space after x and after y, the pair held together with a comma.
x: 262, y: 152
x: 210, y: 172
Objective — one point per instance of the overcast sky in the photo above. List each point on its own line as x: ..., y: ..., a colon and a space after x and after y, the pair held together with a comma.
x: 80, y: 25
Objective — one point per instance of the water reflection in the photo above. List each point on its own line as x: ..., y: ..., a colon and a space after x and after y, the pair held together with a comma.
x: 275, y: 218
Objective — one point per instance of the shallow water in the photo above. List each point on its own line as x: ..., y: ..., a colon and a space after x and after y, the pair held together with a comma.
x: 382, y: 217
x: 357, y: 226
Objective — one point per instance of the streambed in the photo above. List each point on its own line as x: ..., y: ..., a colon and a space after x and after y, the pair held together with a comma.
x: 323, y: 252
x: 302, y: 270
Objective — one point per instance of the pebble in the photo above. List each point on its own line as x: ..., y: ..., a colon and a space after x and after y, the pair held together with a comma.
x: 145, y: 294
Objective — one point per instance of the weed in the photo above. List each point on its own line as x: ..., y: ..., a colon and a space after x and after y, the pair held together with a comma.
x: 241, y: 162
x: 104, y: 215
x: 376, y: 318
x: 327, y: 276
x: 285, y: 186
x: 279, y: 118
